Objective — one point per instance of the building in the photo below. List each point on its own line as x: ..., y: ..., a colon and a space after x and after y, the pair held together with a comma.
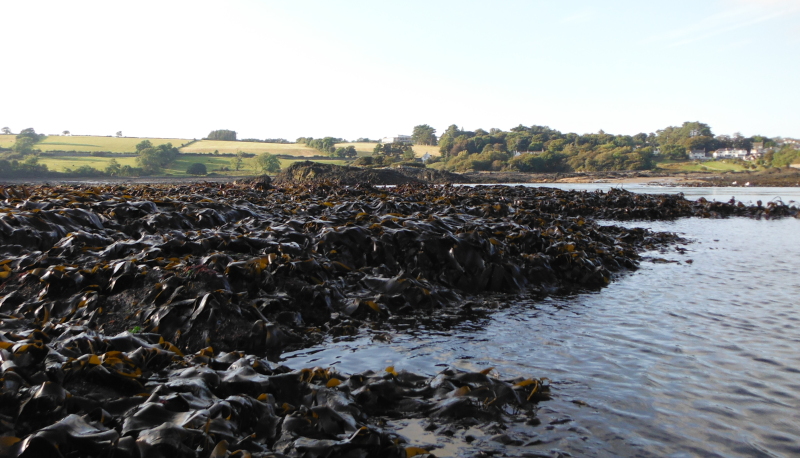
x: 698, y: 155
x: 729, y: 153
x: 397, y: 139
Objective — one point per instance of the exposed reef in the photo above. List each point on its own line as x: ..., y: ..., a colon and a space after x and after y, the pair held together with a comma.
x: 145, y: 320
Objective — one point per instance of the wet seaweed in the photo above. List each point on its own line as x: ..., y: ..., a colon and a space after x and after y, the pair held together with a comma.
x: 215, y: 281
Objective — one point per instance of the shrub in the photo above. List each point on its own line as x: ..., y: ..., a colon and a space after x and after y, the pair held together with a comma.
x: 197, y: 168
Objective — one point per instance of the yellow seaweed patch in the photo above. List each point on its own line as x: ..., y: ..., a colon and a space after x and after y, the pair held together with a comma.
x: 414, y: 451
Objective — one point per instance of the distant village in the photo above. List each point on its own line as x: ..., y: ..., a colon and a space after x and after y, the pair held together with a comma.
x: 756, y: 152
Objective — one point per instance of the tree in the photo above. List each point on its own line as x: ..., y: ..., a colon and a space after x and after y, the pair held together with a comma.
x: 324, y: 145
x: 66, y: 132
x: 675, y: 152
x: 424, y: 134
x: 238, y: 160
x: 30, y: 133
x: 113, y: 168
x: 23, y: 145
x: 392, y: 152
x: 785, y: 156
x: 143, y: 145
x: 681, y: 135
x: 222, y: 134
x: 6, y: 131
x: 342, y: 151
x: 119, y: 133
x: 198, y: 168
x: 149, y: 161
x: 267, y: 163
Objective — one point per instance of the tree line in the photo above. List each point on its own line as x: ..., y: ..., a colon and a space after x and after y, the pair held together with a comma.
x: 327, y: 146
x: 542, y: 149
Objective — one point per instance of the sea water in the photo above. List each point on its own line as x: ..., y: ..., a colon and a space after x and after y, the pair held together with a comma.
x: 697, y: 353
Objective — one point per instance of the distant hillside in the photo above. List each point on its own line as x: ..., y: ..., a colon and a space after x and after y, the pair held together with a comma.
x: 366, y: 148
x: 89, y: 143
x: 209, y: 146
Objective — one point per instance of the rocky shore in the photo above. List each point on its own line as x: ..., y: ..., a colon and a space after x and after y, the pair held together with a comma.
x: 146, y: 320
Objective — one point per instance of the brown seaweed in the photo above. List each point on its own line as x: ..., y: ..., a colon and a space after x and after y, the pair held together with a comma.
x: 141, y: 320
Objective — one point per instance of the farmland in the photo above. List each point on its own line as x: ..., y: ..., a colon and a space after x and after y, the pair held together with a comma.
x: 177, y: 168
x: 710, y: 166
x: 89, y: 144
x: 195, y: 151
x: 289, y: 149
x: 365, y: 148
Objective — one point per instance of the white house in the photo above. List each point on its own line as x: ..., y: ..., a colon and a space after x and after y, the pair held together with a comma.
x: 397, y: 139
x: 729, y: 153
x: 698, y: 155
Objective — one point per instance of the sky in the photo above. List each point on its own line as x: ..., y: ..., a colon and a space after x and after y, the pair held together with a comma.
x: 350, y: 69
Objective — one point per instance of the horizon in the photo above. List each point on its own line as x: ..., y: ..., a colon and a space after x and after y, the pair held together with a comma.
x: 358, y: 69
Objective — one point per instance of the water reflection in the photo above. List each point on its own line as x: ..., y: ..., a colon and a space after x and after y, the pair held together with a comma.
x: 747, y: 195
x: 677, y: 359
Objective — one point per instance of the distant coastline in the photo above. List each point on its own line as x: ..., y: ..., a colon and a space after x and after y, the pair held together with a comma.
x: 784, y: 177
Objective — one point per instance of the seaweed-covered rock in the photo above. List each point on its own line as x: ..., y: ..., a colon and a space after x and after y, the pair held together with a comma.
x: 308, y: 171
x: 140, y: 320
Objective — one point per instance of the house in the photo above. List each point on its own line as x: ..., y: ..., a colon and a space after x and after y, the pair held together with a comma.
x: 698, y: 155
x: 397, y: 139
x: 729, y: 153
x: 756, y: 152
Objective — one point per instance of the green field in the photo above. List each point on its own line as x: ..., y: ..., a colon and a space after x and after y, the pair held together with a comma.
x: 365, y: 149
x: 706, y: 166
x: 196, y: 152
x: 7, y: 140
x: 178, y: 168
x: 290, y: 149
x: 209, y: 146
x: 60, y: 164
x: 86, y: 143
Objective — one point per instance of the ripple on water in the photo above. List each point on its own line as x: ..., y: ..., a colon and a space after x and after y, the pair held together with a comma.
x: 673, y: 360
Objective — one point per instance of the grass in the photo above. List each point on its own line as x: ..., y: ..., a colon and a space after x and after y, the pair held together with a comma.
x: 196, y: 152
x: 87, y: 143
x: 112, y: 144
x: 705, y: 166
x: 365, y: 149
x: 7, y: 140
x: 177, y: 168
x: 289, y: 149
x: 209, y: 146
x: 60, y: 164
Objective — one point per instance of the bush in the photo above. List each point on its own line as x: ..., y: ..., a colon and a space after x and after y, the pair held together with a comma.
x: 197, y: 168
x: 364, y: 161
x: 222, y: 134
x: 416, y: 164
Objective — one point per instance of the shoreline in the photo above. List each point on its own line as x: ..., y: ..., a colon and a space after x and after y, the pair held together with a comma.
x: 786, y: 177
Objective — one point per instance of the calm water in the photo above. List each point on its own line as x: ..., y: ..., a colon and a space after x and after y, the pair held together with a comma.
x: 675, y: 359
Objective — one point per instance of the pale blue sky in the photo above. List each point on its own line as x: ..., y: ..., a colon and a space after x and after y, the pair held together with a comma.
x: 373, y: 68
